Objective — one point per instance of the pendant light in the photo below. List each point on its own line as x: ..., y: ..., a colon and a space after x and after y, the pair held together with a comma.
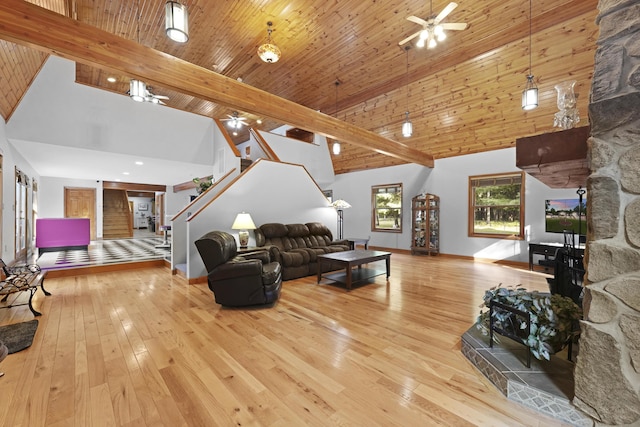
x: 269, y: 52
x: 336, y: 144
x: 138, y: 88
x: 176, y: 21
x: 407, y: 126
x: 530, y: 93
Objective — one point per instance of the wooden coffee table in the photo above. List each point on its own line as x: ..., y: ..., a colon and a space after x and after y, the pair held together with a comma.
x: 350, y: 259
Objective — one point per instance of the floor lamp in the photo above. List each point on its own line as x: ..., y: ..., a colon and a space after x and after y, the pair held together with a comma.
x: 580, y: 192
x: 340, y: 206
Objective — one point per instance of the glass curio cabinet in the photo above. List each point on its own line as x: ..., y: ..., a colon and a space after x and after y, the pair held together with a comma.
x: 425, y: 221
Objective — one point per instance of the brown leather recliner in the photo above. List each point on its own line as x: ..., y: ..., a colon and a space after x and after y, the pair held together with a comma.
x: 238, y: 280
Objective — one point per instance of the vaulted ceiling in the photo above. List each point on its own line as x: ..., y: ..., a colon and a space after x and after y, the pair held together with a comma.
x: 463, y: 96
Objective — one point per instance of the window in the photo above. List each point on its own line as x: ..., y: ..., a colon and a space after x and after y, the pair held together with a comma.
x: 386, y: 203
x: 496, y: 205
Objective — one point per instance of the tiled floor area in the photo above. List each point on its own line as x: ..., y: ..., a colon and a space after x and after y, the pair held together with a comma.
x: 546, y: 387
x: 102, y: 252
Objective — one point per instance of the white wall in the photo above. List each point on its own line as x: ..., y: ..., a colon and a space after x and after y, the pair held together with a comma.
x: 10, y: 159
x: 449, y: 179
x: 355, y: 188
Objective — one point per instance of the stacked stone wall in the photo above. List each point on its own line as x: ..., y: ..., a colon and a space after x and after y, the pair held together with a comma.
x: 607, y: 375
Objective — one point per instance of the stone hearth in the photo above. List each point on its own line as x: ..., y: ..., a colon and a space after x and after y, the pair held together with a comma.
x: 546, y: 387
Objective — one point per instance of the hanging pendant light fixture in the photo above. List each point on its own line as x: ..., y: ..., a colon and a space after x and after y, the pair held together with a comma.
x: 176, y: 21
x: 336, y: 144
x: 138, y: 88
x: 269, y: 52
x: 407, y: 126
x: 530, y: 93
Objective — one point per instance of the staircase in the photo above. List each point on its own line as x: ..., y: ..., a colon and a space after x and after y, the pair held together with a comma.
x: 116, y: 222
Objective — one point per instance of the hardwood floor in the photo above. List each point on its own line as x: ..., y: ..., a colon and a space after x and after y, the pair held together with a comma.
x: 143, y: 348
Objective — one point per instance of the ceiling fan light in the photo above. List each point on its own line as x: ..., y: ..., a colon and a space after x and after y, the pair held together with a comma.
x: 432, y: 43
x: 176, y: 21
x: 530, y: 95
x: 420, y: 43
x: 424, y: 34
x: 137, y: 90
x: 335, y: 148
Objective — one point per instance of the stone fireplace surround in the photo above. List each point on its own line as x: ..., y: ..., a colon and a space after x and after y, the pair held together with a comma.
x: 607, y: 373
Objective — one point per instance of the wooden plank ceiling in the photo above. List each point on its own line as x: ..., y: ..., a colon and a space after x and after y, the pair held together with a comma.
x: 463, y: 96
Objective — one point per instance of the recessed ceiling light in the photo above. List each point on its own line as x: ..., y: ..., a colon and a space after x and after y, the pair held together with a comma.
x: 111, y: 79
x: 139, y: 163
x: 235, y: 133
x: 259, y: 121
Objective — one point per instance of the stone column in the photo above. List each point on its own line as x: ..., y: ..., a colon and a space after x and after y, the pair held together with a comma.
x: 607, y: 375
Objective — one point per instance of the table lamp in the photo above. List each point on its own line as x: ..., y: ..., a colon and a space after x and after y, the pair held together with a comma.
x: 244, y: 223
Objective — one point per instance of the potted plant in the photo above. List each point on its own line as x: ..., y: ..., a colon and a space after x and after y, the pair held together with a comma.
x: 553, y: 318
x: 203, y: 184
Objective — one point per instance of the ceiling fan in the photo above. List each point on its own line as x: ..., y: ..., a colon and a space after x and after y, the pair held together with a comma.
x: 140, y: 92
x: 235, y: 121
x: 432, y: 30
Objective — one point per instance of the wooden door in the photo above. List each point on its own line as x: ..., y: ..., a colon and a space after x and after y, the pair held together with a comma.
x: 81, y: 203
x: 160, y: 220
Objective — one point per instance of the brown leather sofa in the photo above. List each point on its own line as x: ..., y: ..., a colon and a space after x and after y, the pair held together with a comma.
x: 238, y: 280
x: 297, y: 246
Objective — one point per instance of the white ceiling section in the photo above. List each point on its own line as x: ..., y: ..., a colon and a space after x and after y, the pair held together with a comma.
x: 68, y: 130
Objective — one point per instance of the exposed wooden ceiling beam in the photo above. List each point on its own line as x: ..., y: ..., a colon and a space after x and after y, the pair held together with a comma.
x: 31, y: 25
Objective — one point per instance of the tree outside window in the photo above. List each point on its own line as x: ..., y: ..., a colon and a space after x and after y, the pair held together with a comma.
x: 496, y: 205
x: 386, y: 203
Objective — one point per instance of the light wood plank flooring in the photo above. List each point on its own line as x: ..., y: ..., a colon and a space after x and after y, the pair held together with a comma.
x: 144, y: 348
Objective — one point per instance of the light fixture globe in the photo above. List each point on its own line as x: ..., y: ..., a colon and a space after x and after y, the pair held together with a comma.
x: 176, y: 21
x: 269, y: 52
x: 407, y: 127
x: 137, y: 90
x: 530, y: 95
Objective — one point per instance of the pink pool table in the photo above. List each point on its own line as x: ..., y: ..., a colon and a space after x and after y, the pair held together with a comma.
x: 54, y: 234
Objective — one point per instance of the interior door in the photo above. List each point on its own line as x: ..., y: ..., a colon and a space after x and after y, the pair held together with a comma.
x: 160, y: 220
x: 81, y: 203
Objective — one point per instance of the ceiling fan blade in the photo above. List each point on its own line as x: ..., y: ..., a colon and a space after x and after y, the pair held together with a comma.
x: 409, y: 38
x: 446, y: 11
x: 417, y: 20
x: 454, y: 26
x: 160, y: 96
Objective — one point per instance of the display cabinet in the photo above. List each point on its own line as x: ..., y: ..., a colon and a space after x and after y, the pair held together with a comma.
x: 425, y: 222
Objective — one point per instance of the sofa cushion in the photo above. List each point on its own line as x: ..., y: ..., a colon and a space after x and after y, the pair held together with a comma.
x: 294, y: 258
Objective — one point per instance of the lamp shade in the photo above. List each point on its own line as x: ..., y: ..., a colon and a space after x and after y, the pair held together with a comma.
x: 530, y: 95
x: 269, y: 53
x: 243, y: 222
x: 407, y: 127
x: 341, y: 204
x: 176, y: 21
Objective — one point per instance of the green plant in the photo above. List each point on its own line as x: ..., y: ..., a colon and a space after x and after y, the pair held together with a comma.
x: 203, y: 184
x: 553, y: 318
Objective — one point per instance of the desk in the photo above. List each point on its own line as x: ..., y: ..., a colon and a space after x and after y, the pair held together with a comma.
x: 547, y: 250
